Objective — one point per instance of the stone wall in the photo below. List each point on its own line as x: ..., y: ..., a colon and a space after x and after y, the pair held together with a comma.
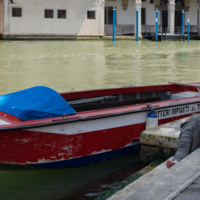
x: 33, y: 21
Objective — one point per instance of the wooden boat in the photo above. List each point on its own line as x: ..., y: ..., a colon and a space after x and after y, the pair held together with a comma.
x: 106, y: 123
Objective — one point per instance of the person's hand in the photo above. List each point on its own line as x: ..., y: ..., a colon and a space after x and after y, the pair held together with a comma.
x: 170, y: 163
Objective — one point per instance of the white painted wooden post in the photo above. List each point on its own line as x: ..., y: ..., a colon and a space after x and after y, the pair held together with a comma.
x: 171, y: 16
x: 138, y: 6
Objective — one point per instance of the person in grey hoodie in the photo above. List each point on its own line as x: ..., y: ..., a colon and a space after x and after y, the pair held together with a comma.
x: 189, y: 139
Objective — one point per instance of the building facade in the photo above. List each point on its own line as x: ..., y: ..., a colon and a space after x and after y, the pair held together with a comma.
x: 52, y: 18
x: 93, y: 18
x: 170, y: 15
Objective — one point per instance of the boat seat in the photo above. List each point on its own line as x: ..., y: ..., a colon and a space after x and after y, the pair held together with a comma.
x: 186, y: 94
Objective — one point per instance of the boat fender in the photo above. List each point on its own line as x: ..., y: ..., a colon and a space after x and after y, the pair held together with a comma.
x: 152, y: 119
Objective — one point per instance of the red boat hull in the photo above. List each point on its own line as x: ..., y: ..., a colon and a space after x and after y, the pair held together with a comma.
x: 33, y: 147
x: 87, y: 137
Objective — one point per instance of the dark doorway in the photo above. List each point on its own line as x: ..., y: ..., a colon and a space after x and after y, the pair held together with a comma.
x: 109, y: 15
x: 178, y: 18
x: 143, y: 16
x: 164, y: 19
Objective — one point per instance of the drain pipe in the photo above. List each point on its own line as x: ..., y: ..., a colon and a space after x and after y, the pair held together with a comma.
x: 188, y: 30
x: 114, y: 15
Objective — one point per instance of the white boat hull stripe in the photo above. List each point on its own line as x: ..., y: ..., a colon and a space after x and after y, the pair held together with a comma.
x: 116, y: 121
x: 3, y: 122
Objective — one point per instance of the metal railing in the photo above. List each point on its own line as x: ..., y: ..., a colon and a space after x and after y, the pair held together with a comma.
x: 128, y: 30
x: 150, y: 29
x: 178, y: 30
x: 193, y: 30
x: 145, y: 29
x: 177, y: 35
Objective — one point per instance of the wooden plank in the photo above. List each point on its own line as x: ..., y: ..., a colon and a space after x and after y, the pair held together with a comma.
x: 185, y: 84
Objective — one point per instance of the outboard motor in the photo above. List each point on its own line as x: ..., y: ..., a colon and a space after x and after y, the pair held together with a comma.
x: 152, y: 118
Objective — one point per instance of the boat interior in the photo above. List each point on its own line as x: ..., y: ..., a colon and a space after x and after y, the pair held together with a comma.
x: 126, y: 96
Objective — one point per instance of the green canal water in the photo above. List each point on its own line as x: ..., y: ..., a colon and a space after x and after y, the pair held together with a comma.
x: 63, y: 65
x: 65, y: 184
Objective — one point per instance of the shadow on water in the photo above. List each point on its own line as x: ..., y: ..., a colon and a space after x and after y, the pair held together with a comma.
x: 74, y: 183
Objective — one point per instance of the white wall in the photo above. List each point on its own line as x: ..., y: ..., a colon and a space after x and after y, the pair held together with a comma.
x: 192, y: 14
x: 33, y: 21
x: 150, y: 12
x: 123, y: 16
x: 1, y: 17
x: 127, y: 17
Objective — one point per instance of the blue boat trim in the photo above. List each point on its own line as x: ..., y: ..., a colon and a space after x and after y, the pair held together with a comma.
x: 92, y: 159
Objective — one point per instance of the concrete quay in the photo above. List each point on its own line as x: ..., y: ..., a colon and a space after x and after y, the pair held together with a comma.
x: 161, y: 141
x: 192, y: 192
x: 165, y: 184
x: 62, y: 37
x: 182, y: 181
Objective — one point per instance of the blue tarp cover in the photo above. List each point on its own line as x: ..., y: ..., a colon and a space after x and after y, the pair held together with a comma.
x: 35, y: 103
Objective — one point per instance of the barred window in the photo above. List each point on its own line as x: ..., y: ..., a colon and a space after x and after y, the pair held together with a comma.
x: 48, y: 13
x: 16, y: 12
x: 61, y: 14
x: 90, y: 14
